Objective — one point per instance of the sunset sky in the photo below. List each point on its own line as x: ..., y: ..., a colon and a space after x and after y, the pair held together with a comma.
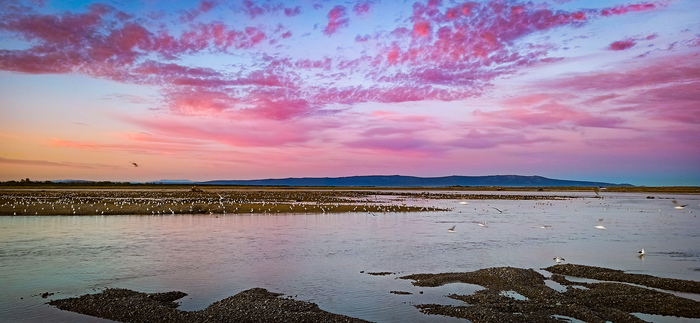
x: 601, y: 90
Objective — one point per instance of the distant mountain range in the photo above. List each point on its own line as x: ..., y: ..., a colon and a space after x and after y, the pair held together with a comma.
x: 410, y: 181
x: 393, y: 181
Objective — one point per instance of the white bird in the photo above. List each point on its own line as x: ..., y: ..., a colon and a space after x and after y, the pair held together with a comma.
x: 558, y: 259
x: 544, y: 226
x: 641, y: 253
x: 679, y: 207
x: 482, y: 224
x: 600, y: 227
x: 452, y: 229
x: 464, y: 203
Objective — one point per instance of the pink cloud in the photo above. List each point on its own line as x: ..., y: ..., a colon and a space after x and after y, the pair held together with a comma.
x: 549, y: 113
x: 72, y: 144
x: 291, y: 12
x: 337, y: 18
x: 246, y: 133
x: 461, y: 50
x: 487, y: 139
x: 620, y: 10
x: 421, y: 28
x: 622, y: 44
x: 192, y: 14
x: 401, y: 145
x: 41, y: 163
x: 362, y: 8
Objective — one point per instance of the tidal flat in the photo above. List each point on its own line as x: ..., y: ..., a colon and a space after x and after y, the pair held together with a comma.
x: 511, y: 295
x: 109, y: 201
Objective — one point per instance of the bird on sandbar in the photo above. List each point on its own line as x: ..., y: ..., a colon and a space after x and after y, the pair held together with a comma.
x: 679, y: 207
x: 558, y: 259
x: 640, y: 253
x: 452, y: 229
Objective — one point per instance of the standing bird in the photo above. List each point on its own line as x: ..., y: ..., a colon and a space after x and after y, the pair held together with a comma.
x: 679, y: 207
x: 558, y: 259
x: 640, y: 253
x: 452, y: 229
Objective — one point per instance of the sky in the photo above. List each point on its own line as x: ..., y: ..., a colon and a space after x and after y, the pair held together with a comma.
x: 604, y: 90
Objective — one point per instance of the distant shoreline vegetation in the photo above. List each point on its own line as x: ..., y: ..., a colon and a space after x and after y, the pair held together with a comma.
x: 82, y: 184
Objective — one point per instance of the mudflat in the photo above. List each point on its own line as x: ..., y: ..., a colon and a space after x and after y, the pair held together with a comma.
x: 610, y: 300
x: 221, y: 200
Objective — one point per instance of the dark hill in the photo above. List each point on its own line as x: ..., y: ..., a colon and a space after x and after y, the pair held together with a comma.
x: 412, y: 181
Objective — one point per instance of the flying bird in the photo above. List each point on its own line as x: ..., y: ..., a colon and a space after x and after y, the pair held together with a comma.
x: 558, y: 259
x: 640, y: 253
x: 135, y: 164
x: 600, y: 227
x: 544, y: 226
x: 482, y: 224
x: 452, y: 229
x: 500, y: 211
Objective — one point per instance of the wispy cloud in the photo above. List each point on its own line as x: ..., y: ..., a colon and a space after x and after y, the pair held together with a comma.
x: 30, y: 162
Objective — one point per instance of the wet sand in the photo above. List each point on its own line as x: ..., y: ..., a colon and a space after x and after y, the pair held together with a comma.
x: 104, y: 201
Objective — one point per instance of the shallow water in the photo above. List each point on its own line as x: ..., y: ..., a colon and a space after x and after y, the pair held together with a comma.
x: 325, y: 258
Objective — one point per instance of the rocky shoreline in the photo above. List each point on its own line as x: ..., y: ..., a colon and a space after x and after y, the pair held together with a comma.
x: 511, y: 295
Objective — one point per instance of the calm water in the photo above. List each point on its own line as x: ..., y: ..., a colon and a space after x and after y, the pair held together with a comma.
x: 320, y: 257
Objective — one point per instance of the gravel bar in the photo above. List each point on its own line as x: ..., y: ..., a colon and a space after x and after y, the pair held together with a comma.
x: 589, y: 302
x: 678, y: 285
x: 253, y: 305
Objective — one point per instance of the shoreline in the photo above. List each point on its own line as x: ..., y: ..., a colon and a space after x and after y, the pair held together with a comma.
x: 104, y: 201
x: 128, y: 186
x: 511, y: 294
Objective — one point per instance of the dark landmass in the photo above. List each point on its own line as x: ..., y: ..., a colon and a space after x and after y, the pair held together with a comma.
x: 254, y: 305
x: 413, y: 181
x: 394, y: 181
x: 594, y: 302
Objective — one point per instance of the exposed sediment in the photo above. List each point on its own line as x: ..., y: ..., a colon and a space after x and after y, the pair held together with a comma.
x: 597, y: 302
x: 253, y: 305
x: 678, y: 285
x: 224, y: 201
x: 511, y: 295
x: 209, y: 201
